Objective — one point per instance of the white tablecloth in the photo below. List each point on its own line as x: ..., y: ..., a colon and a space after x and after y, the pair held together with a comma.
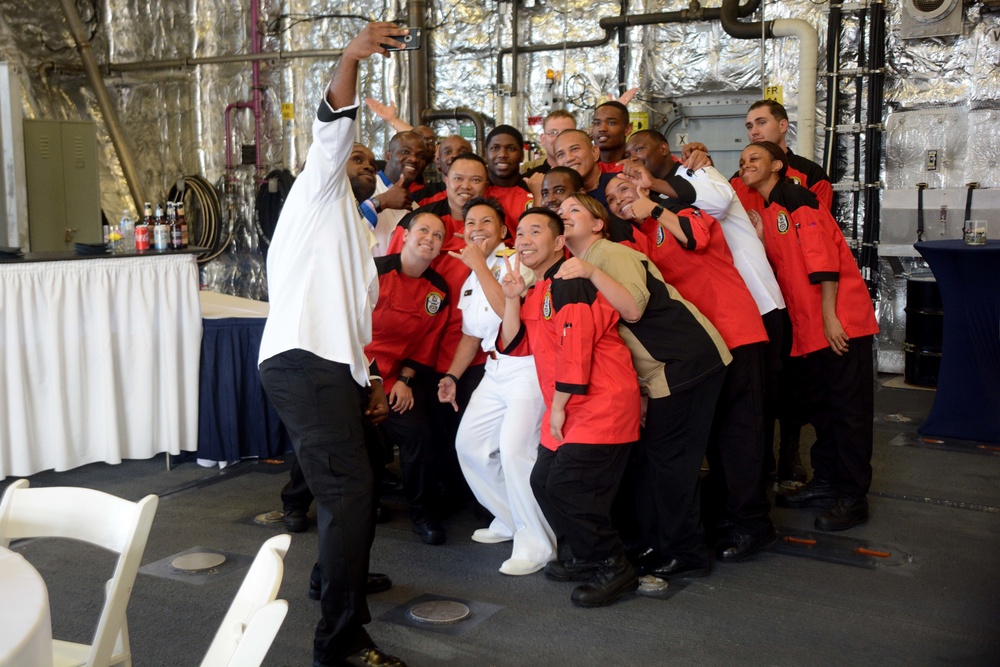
x: 25, y: 624
x: 98, y: 361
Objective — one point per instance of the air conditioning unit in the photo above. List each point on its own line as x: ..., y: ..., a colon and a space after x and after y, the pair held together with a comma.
x: 930, y: 18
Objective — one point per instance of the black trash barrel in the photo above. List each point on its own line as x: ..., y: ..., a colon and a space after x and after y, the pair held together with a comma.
x: 924, y: 329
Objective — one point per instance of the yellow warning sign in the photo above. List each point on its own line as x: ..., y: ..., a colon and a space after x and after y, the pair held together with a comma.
x: 639, y: 120
x: 287, y: 111
x: 775, y: 93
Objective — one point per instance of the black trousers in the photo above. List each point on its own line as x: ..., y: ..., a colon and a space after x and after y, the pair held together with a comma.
x: 736, y: 485
x: 575, y: 486
x: 774, y: 324
x: 444, y: 423
x: 840, y: 395
x: 295, y: 495
x: 792, y: 409
x: 418, y: 462
x: 322, y: 407
x: 668, y: 470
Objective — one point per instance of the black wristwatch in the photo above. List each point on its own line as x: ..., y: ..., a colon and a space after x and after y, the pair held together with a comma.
x: 405, y: 379
x: 377, y: 204
x: 656, y: 212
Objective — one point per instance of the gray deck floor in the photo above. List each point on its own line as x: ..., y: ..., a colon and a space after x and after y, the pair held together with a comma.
x: 936, y: 600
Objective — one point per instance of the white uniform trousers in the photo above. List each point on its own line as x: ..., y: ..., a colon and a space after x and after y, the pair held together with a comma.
x: 497, y: 445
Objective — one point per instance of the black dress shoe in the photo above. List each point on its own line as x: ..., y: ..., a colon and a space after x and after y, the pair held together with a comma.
x: 613, y: 578
x: 790, y: 468
x: 430, y: 531
x: 675, y: 569
x: 371, y: 655
x: 642, y: 559
x: 814, y: 493
x: 382, y: 514
x: 296, y: 521
x: 741, y: 544
x: 847, y: 512
x: 377, y: 583
x: 572, y: 569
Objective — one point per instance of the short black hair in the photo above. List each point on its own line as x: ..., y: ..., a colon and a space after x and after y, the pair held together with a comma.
x: 472, y: 157
x: 555, y: 222
x: 622, y: 109
x: 509, y: 130
x: 575, y: 178
x: 485, y: 201
x: 655, y: 134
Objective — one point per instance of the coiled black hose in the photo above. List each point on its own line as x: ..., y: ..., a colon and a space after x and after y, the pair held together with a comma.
x: 204, y: 213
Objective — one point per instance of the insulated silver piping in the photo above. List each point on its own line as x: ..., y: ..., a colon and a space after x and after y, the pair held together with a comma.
x: 104, y: 102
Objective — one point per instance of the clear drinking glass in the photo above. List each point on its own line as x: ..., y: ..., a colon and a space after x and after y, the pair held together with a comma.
x: 975, y: 232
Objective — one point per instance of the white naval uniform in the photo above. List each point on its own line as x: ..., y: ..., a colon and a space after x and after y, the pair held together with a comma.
x: 716, y: 197
x: 497, y: 441
x: 388, y: 219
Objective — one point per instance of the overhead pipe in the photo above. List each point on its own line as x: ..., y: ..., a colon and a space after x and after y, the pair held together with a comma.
x: 189, y: 63
x: 460, y: 113
x: 419, y: 99
x: 612, y: 24
x: 93, y: 71
x: 515, y: 19
x: 808, y: 58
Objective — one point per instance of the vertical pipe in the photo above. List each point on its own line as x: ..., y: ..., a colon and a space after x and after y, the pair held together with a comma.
x: 256, y: 93
x: 419, y: 99
x: 515, y: 17
x: 90, y: 66
x: 623, y: 52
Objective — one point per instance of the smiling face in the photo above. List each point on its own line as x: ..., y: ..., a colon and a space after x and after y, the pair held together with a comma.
x: 552, y: 128
x: 621, y: 194
x: 465, y: 179
x: 483, y: 225
x: 361, y: 172
x: 406, y: 157
x: 609, y: 128
x: 555, y: 188
x: 503, y: 156
x: 758, y: 168
x: 537, y: 244
x: 646, y: 150
x: 424, y: 238
x: 579, y: 224
x: 449, y: 149
x: 575, y: 150
x: 763, y: 126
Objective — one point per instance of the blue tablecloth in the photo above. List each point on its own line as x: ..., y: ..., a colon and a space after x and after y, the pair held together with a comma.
x: 967, y: 404
x: 236, y: 420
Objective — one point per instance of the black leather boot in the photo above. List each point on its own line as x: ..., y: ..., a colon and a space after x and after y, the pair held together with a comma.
x: 614, y: 577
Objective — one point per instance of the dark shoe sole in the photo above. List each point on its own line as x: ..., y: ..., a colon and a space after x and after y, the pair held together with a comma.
x: 582, y: 577
x: 790, y: 502
x: 604, y: 602
x: 763, y: 544
x: 832, y: 527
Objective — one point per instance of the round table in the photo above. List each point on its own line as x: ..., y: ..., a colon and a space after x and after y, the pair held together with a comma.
x: 25, y: 624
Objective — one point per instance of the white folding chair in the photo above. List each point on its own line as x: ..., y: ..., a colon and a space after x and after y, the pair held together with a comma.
x: 254, y: 617
x: 101, y: 519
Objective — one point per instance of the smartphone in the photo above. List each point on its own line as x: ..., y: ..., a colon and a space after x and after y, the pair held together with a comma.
x: 411, y: 41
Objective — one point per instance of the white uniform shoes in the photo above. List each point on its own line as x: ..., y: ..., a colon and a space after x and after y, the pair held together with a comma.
x: 517, y: 567
x: 487, y: 536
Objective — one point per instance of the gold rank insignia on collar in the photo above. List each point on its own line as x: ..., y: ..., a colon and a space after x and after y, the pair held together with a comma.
x: 505, y: 252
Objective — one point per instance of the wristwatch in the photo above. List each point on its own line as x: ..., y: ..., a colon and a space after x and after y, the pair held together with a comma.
x: 405, y: 380
x: 377, y: 204
x: 656, y: 212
